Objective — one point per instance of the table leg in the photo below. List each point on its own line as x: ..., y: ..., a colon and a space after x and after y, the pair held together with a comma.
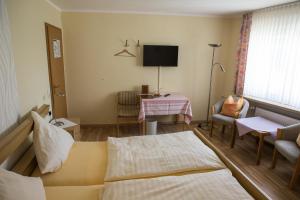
x: 140, y: 128
x: 76, y: 133
x: 177, y: 118
x: 260, y: 147
x: 144, y: 127
x: 184, y: 123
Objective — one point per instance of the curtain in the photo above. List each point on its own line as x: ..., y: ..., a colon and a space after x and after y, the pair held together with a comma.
x: 9, y: 109
x: 242, y: 53
x: 273, y: 64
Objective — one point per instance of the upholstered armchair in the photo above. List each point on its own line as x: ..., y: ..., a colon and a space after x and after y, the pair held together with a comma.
x: 217, y: 117
x: 286, y: 145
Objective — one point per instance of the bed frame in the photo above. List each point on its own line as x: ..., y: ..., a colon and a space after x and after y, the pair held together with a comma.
x: 249, y: 185
x: 14, y: 139
x: 27, y: 163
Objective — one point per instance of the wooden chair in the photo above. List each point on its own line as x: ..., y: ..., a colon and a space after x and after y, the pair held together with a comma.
x: 217, y: 117
x: 128, y: 107
x: 286, y: 145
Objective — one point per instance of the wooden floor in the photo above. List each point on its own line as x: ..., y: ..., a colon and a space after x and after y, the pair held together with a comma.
x: 273, y: 182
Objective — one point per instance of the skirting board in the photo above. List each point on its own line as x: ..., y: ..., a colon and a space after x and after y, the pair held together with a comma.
x: 115, y: 124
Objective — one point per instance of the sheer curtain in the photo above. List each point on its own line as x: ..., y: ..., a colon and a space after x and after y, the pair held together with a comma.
x: 9, y: 108
x: 273, y: 64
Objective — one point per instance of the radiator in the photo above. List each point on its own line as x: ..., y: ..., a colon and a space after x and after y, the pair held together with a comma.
x: 275, y: 117
x: 281, y: 119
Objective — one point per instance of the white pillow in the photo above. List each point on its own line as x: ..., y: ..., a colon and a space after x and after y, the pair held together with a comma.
x: 51, y: 144
x: 14, y: 186
x: 298, y: 140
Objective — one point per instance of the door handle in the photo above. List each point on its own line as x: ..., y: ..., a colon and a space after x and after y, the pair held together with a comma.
x: 60, y: 94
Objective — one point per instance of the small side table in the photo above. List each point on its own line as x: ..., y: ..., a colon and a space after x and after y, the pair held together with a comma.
x: 259, y: 127
x: 73, y: 129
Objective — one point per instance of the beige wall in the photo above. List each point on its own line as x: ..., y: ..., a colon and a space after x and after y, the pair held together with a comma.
x: 225, y: 82
x: 94, y: 75
x: 27, y: 20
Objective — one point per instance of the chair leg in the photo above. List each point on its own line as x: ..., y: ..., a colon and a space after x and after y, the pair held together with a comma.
x: 211, y: 128
x: 223, y: 128
x: 296, y: 173
x: 223, y: 131
x: 275, y: 157
x: 233, y: 136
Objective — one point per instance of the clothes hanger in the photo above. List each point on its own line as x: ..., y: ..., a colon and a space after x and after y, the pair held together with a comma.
x: 125, y: 52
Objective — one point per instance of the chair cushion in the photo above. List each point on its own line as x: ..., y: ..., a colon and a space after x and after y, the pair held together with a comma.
x: 232, y: 107
x: 288, y: 149
x: 223, y: 119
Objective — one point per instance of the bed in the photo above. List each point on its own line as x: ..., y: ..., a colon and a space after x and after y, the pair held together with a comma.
x: 82, y: 175
x: 88, y: 160
x: 159, y: 155
x: 219, y: 184
x: 172, y: 187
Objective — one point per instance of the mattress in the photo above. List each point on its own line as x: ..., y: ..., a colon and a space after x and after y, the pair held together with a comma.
x: 219, y: 184
x: 86, y: 165
x: 93, y: 192
x: 159, y: 155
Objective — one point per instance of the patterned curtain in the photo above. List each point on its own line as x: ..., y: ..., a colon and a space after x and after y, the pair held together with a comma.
x: 9, y: 105
x: 242, y: 53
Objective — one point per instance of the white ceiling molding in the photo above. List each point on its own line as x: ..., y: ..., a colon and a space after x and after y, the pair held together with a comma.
x: 167, y: 7
x: 141, y: 13
x: 54, y: 5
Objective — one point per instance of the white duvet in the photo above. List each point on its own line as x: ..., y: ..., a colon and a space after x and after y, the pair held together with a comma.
x: 214, y: 185
x: 158, y: 155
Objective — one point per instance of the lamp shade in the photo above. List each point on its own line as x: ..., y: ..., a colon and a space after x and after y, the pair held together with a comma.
x: 215, y: 45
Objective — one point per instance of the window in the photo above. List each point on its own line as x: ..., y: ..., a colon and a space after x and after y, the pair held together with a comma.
x: 273, y: 61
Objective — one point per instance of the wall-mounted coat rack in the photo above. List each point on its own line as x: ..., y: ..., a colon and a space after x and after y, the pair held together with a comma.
x: 125, y: 52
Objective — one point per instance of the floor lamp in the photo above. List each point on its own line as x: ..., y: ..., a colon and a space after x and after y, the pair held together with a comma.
x: 205, y: 125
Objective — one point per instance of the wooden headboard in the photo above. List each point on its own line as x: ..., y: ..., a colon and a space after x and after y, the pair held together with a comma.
x: 14, y: 139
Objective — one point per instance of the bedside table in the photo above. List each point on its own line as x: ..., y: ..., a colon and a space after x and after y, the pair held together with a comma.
x: 73, y: 128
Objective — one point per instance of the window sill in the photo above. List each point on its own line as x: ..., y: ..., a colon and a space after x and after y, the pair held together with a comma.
x: 275, y: 107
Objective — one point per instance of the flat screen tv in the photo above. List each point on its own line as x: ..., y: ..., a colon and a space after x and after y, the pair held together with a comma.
x: 160, y: 56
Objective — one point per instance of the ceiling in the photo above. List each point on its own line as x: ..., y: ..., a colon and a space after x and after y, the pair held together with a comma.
x: 176, y: 7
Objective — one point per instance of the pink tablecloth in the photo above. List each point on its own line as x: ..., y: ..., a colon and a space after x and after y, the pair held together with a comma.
x: 246, y: 125
x: 170, y: 105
